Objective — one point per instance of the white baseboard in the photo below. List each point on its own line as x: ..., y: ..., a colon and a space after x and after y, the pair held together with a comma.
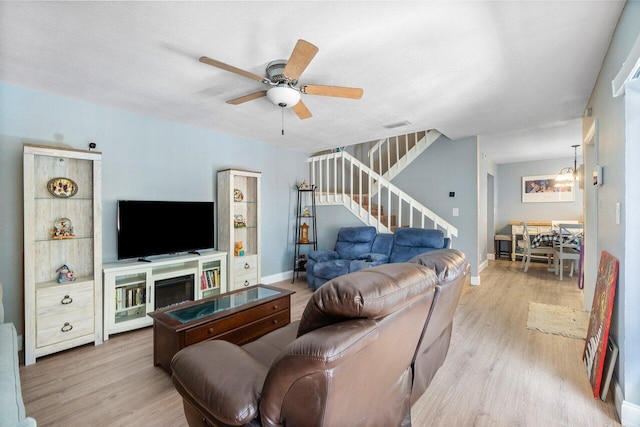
x: 630, y: 416
x: 278, y: 277
x: 475, y: 281
x: 491, y: 256
x: 483, y: 265
x: 628, y: 412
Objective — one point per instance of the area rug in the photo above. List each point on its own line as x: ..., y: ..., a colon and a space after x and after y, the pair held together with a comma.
x: 558, y: 320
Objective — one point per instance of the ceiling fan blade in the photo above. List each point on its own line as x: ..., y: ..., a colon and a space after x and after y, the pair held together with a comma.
x: 300, y: 58
x: 227, y: 67
x: 246, y: 98
x: 337, y: 91
x: 301, y: 110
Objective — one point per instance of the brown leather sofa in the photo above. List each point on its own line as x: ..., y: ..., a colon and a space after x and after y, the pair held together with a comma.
x: 366, y: 347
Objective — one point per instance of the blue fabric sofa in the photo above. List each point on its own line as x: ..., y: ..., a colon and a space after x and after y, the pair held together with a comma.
x: 363, y: 247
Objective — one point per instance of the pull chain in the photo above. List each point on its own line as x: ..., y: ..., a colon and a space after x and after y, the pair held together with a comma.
x: 282, y: 111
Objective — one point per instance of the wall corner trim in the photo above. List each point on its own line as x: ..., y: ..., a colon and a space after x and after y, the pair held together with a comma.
x: 629, y: 69
x: 475, y: 281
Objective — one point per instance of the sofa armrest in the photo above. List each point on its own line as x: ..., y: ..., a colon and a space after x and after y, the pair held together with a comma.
x: 305, y: 367
x: 219, y: 379
x: 27, y: 422
x: 322, y: 256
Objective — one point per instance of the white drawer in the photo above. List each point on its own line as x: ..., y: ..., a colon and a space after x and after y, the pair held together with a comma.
x: 64, y: 299
x: 245, y: 271
x: 244, y: 281
x: 55, y: 329
x: 544, y: 229
x: 516, y: 229
x: 245, y: 263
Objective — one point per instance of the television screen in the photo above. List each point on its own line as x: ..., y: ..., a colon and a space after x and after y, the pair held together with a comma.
x: 148, y: 228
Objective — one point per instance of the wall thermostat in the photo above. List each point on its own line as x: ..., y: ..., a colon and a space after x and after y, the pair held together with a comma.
x: 597, y: 175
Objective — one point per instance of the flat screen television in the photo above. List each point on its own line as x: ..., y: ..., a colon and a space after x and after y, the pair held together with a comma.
x: 148, y: 228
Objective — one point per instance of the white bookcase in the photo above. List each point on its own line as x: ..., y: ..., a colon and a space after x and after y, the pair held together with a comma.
x: 62, y: 226
x: 130, y: 287
x: 239, y: 221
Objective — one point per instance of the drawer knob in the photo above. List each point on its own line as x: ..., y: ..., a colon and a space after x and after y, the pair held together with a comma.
x: 66, y: 300
x: 275, y: 306
x: 66, y: 327
x: 210, y: 331
x: 246, y: 266
x: 275, y: 321
x: 246, y: 283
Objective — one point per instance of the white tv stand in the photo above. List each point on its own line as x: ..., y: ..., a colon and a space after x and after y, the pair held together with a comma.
x: 129, y: 286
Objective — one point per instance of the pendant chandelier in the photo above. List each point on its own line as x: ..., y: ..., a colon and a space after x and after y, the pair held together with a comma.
x: 568, y: 175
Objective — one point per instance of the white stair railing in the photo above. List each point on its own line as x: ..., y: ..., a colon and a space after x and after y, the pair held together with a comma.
x: 390, y: 156
x: 341, y: 179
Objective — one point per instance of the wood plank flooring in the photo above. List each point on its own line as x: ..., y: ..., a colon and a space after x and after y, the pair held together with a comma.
x: 497, y: 372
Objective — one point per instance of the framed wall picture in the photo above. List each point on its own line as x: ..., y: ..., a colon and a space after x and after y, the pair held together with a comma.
x: 543, y: 189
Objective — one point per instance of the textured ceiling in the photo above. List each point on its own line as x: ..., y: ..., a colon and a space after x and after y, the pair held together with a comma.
x: 464, y: 68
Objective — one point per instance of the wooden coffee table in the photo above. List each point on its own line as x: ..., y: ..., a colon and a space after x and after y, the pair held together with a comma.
x: 239, y: 317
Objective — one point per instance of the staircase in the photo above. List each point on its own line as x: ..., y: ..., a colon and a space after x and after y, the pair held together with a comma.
x: 341, y: 179
x: 390, y: 156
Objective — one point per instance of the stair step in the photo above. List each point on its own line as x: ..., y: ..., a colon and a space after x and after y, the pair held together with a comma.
x: 384, y: 220
x: 374, y: 209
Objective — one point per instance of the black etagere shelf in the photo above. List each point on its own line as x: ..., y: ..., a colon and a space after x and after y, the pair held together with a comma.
x: 305, y: 214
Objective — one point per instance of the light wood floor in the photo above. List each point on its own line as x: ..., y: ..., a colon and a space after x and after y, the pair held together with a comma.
x: 497, y: 372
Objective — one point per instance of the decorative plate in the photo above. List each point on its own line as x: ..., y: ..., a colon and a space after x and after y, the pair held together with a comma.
x: 237, y: 195
x: 62, y: 187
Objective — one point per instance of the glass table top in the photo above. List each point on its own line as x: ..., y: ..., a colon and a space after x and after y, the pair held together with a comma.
x: 221, y: 303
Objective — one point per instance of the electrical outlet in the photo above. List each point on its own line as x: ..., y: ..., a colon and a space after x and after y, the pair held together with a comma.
x: 456, y: 212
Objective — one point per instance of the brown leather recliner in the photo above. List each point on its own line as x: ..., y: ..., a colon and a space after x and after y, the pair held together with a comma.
x: 452, y: 269
x: 353, y: 359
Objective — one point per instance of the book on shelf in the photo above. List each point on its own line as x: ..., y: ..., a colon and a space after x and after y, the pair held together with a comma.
x: 203, y: 281
x: 213, y: 278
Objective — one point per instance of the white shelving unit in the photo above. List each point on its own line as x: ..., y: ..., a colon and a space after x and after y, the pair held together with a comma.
x: 239, y: 221
x: 59, y: 316
x: 129, y: 287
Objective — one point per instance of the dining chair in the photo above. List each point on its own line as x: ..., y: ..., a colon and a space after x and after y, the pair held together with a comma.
x: 555, y: 224
x: 568, y: 249
x: 529, y: 251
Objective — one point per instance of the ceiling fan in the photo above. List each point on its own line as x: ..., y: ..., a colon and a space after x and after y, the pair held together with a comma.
x: 283, y: 78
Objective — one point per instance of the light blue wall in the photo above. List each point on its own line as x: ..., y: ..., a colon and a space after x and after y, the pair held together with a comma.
x: 143, y: 158
x: 443, y: 167
x: 619, y: 157
x: 509, y: 195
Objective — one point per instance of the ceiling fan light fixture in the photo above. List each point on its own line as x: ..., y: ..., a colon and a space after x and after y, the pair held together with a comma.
x: 283, y: 96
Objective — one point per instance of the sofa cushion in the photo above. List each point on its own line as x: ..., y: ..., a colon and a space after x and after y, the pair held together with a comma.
x: 409, y: 242
x: 448, y: 264
x: 371, y: 293
x: 353, y: 241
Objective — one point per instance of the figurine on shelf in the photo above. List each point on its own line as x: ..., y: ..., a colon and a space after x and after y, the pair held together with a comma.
x: 62, y: 229
x: 304, y: 185
x: 238, y: 221
x: 239, y: 249
x: 306, y: 211
x: 304, y: 233
x: 65, y: 274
